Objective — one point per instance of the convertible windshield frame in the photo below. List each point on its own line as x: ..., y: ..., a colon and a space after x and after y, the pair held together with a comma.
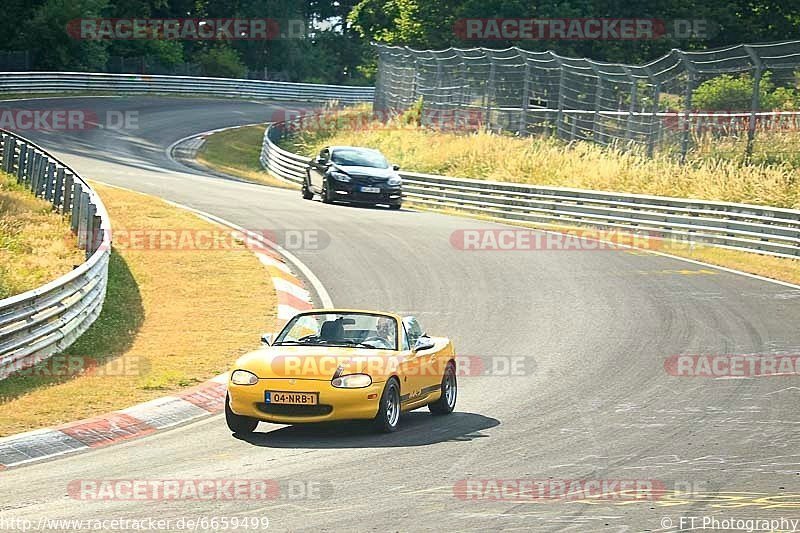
x: 364, y: 157
x: 344, y: 343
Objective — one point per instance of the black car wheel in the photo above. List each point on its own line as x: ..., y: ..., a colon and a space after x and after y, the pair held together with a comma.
x: 447, y: 402
x: 305, y: 191
x: 238, y: 424
x: 394, y: 206
x: 388, y: 417
x: 326, y: 193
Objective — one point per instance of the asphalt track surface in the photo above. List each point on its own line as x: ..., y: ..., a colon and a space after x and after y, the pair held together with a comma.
x: 594, y: 403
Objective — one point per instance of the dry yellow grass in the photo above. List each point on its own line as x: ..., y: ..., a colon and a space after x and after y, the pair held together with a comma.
x: 484, y: 155
x: 36, y: 244
x: 708, y: 175
x: 181, y: 316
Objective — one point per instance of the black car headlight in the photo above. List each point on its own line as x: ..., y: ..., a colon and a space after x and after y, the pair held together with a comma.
x: 394, y: 181
x: 340, y: 176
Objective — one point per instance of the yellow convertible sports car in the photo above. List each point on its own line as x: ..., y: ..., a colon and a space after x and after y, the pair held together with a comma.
x: 335, y: 364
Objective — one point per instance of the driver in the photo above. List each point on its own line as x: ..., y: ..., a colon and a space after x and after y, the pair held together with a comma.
x: 386, y: 331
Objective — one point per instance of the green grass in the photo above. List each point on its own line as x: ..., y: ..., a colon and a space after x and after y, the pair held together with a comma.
x: 236, y: 152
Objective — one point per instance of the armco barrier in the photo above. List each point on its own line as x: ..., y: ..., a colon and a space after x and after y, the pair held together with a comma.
x: 39, y: 323
x: 59, y: 82
x: 765, y: 230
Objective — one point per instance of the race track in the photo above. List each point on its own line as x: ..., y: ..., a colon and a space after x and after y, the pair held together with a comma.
x: 594, y: 403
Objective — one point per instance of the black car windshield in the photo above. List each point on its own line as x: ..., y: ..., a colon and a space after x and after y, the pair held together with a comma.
x: 359, y: 158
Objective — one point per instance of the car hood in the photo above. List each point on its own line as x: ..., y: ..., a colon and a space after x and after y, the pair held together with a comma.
x: 367, y: 171
x: 318, y: 362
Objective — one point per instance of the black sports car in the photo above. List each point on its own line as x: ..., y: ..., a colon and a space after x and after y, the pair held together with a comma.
x: 353, y: 174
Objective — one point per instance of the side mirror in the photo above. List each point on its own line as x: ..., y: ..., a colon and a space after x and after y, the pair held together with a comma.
x: 396, y: 167
x: 266, y: 339
x: 423, y: 343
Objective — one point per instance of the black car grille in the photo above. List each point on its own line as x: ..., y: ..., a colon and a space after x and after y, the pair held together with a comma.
x: 294, y: 410
x: 369, y: 180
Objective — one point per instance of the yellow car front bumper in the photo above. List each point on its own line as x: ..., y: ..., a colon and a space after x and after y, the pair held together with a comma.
x: 333, y: 403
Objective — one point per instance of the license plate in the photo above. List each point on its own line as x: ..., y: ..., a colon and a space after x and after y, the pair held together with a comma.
x: 291, y: 398
x: 370, y: 189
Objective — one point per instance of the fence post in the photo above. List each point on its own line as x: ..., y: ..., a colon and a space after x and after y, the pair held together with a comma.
x: 634, y: 102
x: 755, y: 105
x: 489, y: 93
x: 687, y: 105
x: 560, y: 112
x: 597, y: 127
x: 652, y: 137
x: 526, y: 88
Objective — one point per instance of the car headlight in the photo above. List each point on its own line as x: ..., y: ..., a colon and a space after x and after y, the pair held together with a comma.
x: 395, y: 181
x: 352, y: 381
x: 339, y: 176
x: 243, y: 377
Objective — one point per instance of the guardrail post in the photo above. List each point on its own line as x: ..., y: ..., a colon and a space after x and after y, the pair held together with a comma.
x: 9, y: 147
x: 83, y: 219
x: 58, y: 193
x: 34, y: 176
x: 97, y: 231
x: 49, y: 189
x: 69, y: 189
x: 23, y: 157
x: 77, y: 189
x: 89, y: 233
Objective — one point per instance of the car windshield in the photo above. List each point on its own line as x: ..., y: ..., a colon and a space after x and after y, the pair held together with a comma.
x: 359, y: 330
x: 359, y: 158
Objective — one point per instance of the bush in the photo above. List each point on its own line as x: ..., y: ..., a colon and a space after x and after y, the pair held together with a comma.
x: 735, y: 93
x: 221, y: 62
x: 413, y: 115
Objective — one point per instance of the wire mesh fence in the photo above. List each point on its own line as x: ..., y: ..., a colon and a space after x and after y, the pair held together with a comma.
x: 741, y: 100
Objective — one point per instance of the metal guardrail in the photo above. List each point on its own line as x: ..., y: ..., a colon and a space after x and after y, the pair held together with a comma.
x: 56, y: 82
x: 39, y: 323
x: 765, y: 230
